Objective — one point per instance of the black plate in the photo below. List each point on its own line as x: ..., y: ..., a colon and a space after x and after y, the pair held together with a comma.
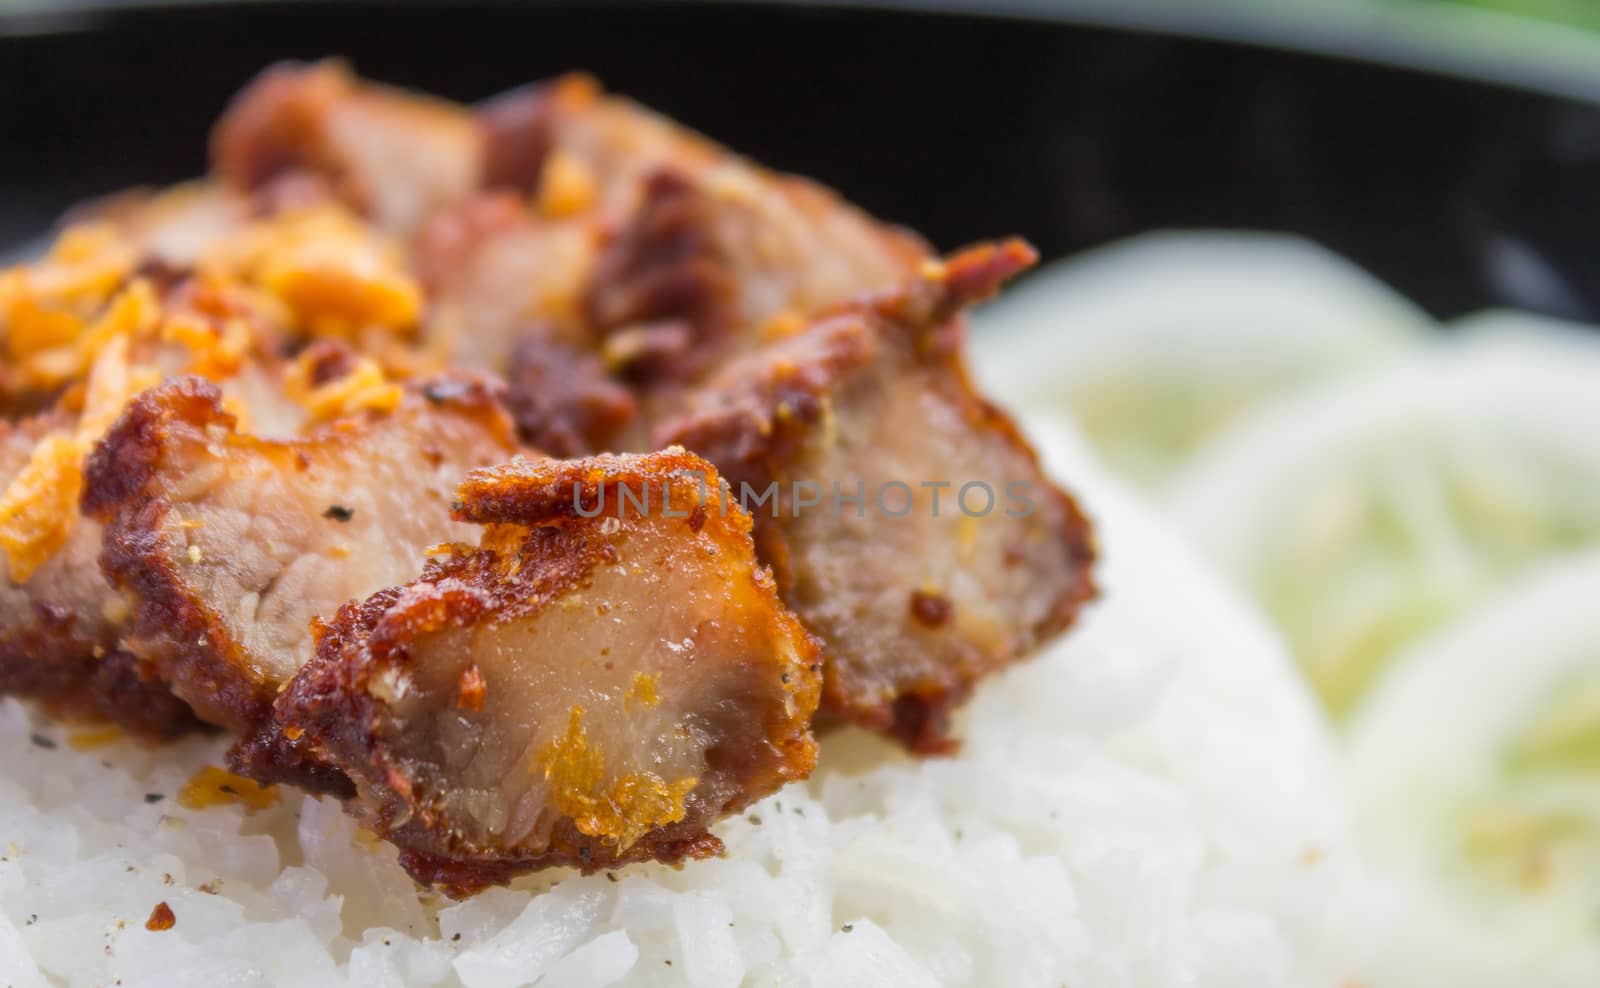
x: 1461, y: 192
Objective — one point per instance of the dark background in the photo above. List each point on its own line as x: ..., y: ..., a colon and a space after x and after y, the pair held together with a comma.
x: 1462, y: 193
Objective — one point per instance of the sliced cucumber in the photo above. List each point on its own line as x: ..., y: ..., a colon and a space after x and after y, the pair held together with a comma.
x: 1476, y: 768
x: 1157, y: 344
x: 1366, y: 512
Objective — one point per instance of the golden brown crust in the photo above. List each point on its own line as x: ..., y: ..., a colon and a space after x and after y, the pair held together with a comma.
x: 538, y: 552
x: 460, y: 879
x: 271, y: 757
x: 525, y: 492
x: 202, y: 658
x: 76, y: 679
x: 753, y: 429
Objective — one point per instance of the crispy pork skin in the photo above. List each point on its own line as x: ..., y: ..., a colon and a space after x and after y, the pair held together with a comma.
x: 908, y: 522
x: 582, y: 691
x: 228, y: 544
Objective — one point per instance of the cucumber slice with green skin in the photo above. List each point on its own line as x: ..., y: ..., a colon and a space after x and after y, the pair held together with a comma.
x: 1157, y: 344
x: 1476, y: 770
x: 1366, y: 512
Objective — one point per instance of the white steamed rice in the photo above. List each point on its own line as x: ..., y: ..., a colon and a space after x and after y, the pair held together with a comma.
x: 1153, y: 801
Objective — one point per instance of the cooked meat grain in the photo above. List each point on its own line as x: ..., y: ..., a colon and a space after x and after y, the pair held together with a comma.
x: 583, y: 691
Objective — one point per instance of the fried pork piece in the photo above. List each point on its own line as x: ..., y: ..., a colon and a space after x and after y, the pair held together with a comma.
x: 699, y: 242
x: 59, y: 619
x: 957, y: 555
x: 397, y: 156
x: 96, y: 321
x: 495, y: 272
x: 559, y: 204
x: 726, y: 257
x: 228, y: 544
x: 583, y: 691
x: 701, y: 267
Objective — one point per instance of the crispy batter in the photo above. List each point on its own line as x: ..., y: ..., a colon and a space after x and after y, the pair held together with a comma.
x: 229, y: 544
x: 914, y: 603
x: 606, y: 729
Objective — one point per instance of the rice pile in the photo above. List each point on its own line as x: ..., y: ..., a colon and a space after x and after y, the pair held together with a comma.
x: 1151, y: 802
